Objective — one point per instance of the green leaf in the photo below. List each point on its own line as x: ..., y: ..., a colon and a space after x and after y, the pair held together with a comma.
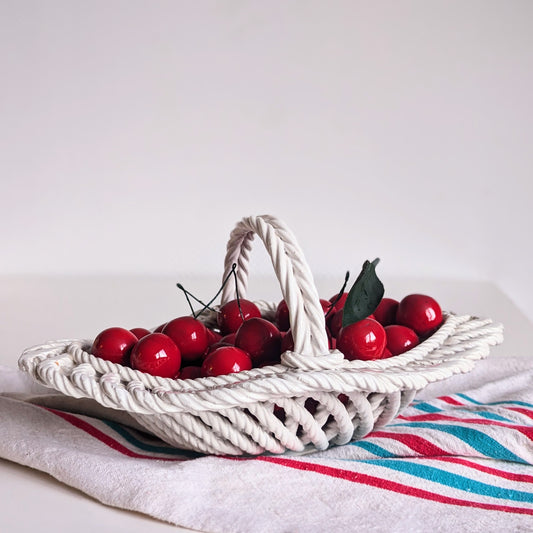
x: 364, y: 296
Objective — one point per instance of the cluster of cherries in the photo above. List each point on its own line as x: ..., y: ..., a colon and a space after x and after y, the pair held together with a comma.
x: 186, y: 348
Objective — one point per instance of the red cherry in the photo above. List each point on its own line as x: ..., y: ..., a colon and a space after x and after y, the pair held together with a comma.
x: 229, y: 338
x: 260, y: 339
x: 190, y: 372
x: 114, y: 344
x: 282, y: 316
x: 364, y: 340
x: 159, y: 329
x: 335, y: 322
x: 419, y: 312
x: 385, y: 312
x: 287, y: 342
x: 190, y: 336
x: 214, y: 346
x: 325, y: 305
x: 341, y: 302
x: 400, y: 338
x: 386, y: 353
x: 140, y: 332
x: 156, y: 354
x: 212, y: 337
x: 229, y: 315
x: 226, y: 360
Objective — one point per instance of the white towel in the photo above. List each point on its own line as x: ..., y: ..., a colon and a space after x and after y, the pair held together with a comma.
x: 460, y: 458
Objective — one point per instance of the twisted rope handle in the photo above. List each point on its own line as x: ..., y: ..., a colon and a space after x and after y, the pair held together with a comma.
x: 296, y: 281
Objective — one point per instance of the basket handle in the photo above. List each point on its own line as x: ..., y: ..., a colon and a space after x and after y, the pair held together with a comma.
x: 294, y: 275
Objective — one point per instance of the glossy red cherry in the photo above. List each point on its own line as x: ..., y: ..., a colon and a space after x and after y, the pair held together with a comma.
x: 229, y: 338
x: 400, y: 338
x: 230, y: 318
x: 334, y: 322
x: 214, y: 346
x: 340, y: 303
x: 156, y: 354
x: 226, y: 360
x: 385, y: 312
x: 159, y: 328
x: 282, y: 316
x: 260, y: 339
x: 386, y: 353
x: 419, y: 312
x: 364, y: 340
x: 326, y: 305
x: 190, y: 372
x: 140, y: 332
x: 212, y: 336
x: 190, y: 336
x: 287, y: 342
x: 114, y: 344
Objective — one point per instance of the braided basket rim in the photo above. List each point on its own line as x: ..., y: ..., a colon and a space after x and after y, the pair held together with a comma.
x: 68, y: 356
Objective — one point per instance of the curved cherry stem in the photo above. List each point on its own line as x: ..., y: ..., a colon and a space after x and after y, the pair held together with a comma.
x: 339, y: 294
x: 237, y: 291
x: 182, y: 288
x: 190, y: 294
x: 208, y: 304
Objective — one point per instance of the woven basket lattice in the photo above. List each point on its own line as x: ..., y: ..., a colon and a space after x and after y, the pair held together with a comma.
x: 239, y: 413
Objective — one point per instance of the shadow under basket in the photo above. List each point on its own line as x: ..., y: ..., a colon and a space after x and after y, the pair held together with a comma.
x: 312, y: 400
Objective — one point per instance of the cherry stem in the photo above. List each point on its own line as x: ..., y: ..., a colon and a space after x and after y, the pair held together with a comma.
x: 237, y: 291
x: 340, y: 293
x: 206, y: 306
x: 181, y: 287
x: 187, y: 294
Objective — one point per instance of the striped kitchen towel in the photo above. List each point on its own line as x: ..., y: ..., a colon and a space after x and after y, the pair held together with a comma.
x: 460, y: 458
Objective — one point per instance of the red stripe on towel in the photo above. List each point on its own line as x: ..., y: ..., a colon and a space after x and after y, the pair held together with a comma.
x: 523, y: 478
x: 386, y: 484
x: 435, y: 417
x: 450, y: 400
x: 414, y: 442
x: 431, y: 451
x: 521, y: 410
x: 103, y: 437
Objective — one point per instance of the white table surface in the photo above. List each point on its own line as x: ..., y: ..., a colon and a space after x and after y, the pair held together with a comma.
x: 35, y: 309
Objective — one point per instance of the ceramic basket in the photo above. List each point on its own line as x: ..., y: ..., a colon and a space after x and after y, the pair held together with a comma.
x: 238, y: 413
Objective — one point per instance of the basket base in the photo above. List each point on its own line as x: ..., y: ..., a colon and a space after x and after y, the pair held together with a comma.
x: 296, y: 425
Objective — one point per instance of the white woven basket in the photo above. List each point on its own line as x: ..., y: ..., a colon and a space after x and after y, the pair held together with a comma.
x: 235, y: 414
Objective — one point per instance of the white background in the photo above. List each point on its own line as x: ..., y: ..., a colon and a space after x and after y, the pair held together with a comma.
x: 134, y: 134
